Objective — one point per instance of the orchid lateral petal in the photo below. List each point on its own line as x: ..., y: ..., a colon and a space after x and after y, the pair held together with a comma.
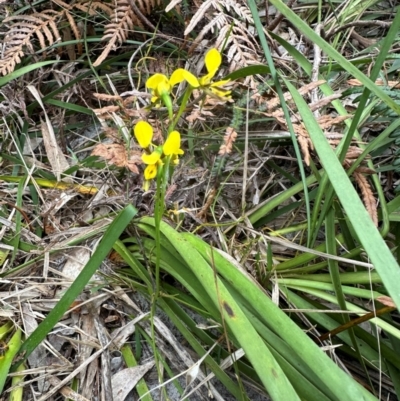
x: 153, y: 158
x: 222, y: 93
x: 172, y: 144
x: 220, y: 83
x: 191, y: 79
x: 143, y: 133
x: 177, y: 77
x: 205, y: 81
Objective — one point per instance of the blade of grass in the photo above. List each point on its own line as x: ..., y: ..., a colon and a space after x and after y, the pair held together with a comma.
x: 333, y: 378
x: 24, y: 70
x: 130, y: 361
x: 256, y: 351
x: 337, y: 285
x: 110, y: 237
x: 274, y: 74
x: 367, y: 233
x: 334, y: 54
x: 6, y: 360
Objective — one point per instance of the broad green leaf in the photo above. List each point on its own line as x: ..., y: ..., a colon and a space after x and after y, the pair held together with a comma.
x: 247, y: 71
x: 256, y: 351
x: 340, y: 384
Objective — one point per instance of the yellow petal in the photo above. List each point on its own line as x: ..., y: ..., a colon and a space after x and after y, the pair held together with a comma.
x: 221, y: 83
x: 150, y: 172
x: 155, y: 80
x: 175, y: 160
x: 181, y: 74
x: 177, y: 77
x: 152, y: 158
x: 192, y: 80
x: 143, y: 133
x: 204, y: 81
x: 221, y: 92
x: 213, y: 60
x: 172, y: 144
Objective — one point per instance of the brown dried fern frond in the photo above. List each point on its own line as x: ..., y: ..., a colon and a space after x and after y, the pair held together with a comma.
x: 241, y: 46
x: 207, y: 7
x: 92, y: 8
x: 116, y: 32
x: 123, y: 21
x: 23, y: 29
x: 229, y: 139
x: 326, y: 122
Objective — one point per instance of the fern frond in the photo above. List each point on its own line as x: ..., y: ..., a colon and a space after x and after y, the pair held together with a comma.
x: 241, y: 10
x: 229, y: 139
x: 123, y: 21
x: 92, y: 8
x: 229, y: 18
x: 22, y: 31
x: 63, y: 5
x: 367, y: 196
x: 242, y: 49
x: 116, y: 32
x: 171, y: 5
x: 199, y: 15
x: 219, y: 21
x: 75, y: 30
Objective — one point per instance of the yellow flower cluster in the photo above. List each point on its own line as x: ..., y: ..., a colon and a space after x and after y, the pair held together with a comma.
x: 154, y: 156
x: 161, y: 85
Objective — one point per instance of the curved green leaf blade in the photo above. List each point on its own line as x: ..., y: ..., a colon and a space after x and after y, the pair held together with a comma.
x: 24, y: 70
x: 269, y: 371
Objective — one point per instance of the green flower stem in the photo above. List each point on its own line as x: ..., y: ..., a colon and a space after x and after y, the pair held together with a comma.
x: 182, y: 108
x: 162, y: 180
x: 168, y: 104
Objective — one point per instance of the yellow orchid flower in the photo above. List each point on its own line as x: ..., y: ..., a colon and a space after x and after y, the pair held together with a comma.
x: 160, y: 85
x: 154, y: 156
x: 172, y: 145
x: 213, y: 61
x: 153, y: 162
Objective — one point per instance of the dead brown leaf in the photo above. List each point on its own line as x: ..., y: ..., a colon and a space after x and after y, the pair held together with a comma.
x: 386, y: 301
x: 117, y: 155
x: 379, y: 82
